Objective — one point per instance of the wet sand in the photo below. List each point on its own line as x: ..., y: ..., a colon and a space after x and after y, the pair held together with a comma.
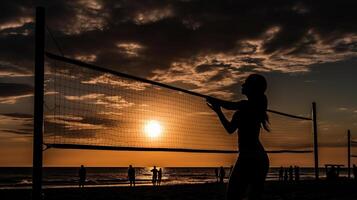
x: 306, y: 190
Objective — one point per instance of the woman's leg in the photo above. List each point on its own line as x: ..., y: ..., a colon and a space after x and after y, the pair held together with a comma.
x: 259, y: 176
x: 238, y: 182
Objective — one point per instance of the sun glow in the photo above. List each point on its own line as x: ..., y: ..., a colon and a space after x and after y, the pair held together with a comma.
x: 153, y: 128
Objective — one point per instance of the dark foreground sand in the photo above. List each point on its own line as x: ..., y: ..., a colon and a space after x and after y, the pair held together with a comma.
x: 303, y: 191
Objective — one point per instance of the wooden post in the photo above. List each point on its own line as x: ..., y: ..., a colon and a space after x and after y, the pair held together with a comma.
x: 38, y: 104
x: 349, y: 153
x: 316, y: 153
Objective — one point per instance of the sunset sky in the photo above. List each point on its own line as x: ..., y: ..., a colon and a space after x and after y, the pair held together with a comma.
x: 307, y: 50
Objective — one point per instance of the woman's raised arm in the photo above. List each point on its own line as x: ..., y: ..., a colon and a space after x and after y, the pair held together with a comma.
x: 229, y: 105
x: 230, y: 126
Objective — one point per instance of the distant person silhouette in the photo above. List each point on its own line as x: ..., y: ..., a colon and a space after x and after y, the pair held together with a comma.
x: 286, y: 175
x: 291, y: 173
x: 217, y: 174
x: 297, y: 173
x: 252, y: 165
x: 354, y: 171
x: 281, y: 173
x: 159, y: 176
x: 82, y: 176
x: 131, y: 175
x: 222, y: 174
x: 154, y: 176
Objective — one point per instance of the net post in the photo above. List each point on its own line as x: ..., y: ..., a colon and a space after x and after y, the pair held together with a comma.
x: 316, y: 153
x: 349, y: 153
x: 38, y: 104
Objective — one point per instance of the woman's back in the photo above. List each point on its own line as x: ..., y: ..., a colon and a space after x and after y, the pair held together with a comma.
x: 248, y: 128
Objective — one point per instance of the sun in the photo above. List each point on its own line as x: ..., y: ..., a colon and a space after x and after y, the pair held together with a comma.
x: 153, y: 128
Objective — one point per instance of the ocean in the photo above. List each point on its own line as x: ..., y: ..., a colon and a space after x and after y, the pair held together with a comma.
x: 20, y: 177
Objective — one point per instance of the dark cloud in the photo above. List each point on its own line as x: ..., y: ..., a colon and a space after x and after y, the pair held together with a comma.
x: 78, y: 126
x: 18, y: 115
x: 59, y: 129
x: 7, y: 69
x: 343, y: 46
x: 254, y: 61
x: 14, y: 89
x: 210, y: 67
x: 20, y: 131
x: 95, y: 121
x: 219, y: 76
x: 15, y: 9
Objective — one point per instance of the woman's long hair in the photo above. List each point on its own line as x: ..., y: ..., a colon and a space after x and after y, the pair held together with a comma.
x: 264, y: 118
x: 258, y: 86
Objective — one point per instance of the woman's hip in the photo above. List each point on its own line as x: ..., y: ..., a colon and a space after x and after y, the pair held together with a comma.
x: 253, y: 161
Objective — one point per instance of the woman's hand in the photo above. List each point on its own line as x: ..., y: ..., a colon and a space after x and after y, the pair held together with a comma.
x: 216, y: 105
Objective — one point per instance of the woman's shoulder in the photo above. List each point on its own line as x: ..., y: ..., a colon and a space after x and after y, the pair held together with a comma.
x: 242, y: 105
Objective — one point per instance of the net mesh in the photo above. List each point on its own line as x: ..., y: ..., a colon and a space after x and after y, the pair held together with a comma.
x: 288, y: 134
x: 96, y: 109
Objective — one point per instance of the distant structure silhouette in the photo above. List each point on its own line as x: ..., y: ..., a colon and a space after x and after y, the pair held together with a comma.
x: 222, y: 174
x: 331, y: 174
x: 217, y: 174
x: 159, y: 176
x: 252, y: 165
x: 332, y: 171
x: 154, y: 176
x: 82, y: 176
x: 131, y: 175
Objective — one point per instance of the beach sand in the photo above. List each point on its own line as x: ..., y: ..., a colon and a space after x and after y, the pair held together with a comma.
x: 305, y: 190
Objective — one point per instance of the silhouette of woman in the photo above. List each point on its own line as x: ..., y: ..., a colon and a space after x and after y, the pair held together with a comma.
x: 252, y: 165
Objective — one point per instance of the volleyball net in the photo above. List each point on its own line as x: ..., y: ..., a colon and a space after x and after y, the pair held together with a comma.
x: 90, y: 107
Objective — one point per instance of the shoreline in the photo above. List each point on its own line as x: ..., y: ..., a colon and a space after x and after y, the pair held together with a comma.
x: 275, y: 190
x: 147, y: 183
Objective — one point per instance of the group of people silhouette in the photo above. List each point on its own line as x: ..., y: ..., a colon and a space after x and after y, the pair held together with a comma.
x: 156, y: 176
x: 286, y: 174
x: 289, y: 174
